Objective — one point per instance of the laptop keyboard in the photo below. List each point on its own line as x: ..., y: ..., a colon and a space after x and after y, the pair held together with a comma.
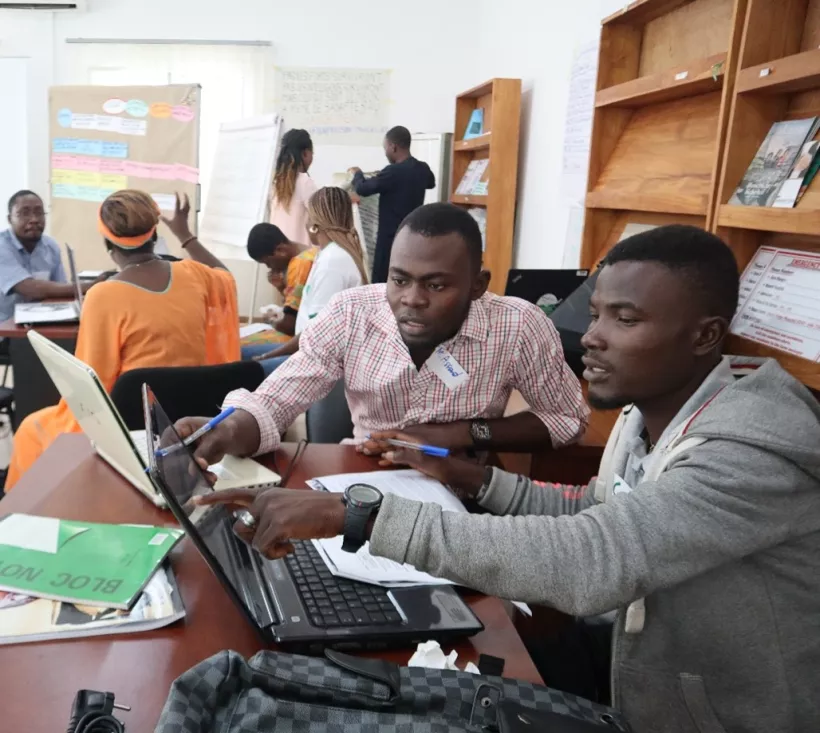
x: 335, y: 602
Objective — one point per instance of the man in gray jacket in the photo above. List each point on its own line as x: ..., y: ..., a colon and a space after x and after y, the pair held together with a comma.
x: 702, y: 528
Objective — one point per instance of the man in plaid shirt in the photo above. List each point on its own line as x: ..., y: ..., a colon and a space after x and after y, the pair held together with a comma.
x: 431, y: 353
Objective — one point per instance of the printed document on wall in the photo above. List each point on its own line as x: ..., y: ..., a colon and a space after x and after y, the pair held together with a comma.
x: 578, y: 124
x: 337, y: 106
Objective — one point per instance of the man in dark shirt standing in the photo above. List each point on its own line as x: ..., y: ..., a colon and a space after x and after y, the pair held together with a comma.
x: 401, y: 186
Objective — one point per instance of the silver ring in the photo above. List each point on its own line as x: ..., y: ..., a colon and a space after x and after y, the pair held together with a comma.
x: 244, y: 516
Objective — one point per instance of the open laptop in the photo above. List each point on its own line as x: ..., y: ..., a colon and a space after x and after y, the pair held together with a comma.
x: 32, y: 314
x: 124, y: 451
x: 571, y: 319
x: 545, y: 288
x: 296, y: 601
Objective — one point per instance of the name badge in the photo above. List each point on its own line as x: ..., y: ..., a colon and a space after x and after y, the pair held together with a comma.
x: 444, y: 365
x: 619, y: 486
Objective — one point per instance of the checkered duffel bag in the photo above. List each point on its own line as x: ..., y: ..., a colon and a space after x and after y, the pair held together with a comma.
x: 343, y: 694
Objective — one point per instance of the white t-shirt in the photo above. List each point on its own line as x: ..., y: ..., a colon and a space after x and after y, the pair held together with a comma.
x: 333, y: 271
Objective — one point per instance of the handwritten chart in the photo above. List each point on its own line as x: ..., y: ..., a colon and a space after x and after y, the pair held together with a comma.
x: 106, y: 138
x: 337, y: 106
x: 779, y: 303
x: 90, y: 170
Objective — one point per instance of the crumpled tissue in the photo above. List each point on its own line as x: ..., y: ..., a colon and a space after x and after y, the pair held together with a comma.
x: 429, y: 654
x: 272, y: 310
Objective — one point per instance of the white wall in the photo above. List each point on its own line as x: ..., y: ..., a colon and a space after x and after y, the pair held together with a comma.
x: 538, y: 45
x: 433, y: 48
x: 14, y: 125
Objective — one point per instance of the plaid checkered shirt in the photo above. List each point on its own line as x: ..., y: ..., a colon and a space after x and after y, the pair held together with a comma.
x: 504, y: 344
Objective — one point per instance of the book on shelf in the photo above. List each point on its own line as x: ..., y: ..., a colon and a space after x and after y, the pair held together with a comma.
x: 105, y: 565
x: 790, y: 189
x: 774, y: 162
x: 809, y: 177
x: 475, y: 126
x: 28, y: 618
x: 475, y: 181
x: 480, y: 215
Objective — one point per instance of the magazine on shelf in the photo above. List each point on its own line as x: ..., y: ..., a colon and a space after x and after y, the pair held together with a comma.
x: 774, y: 162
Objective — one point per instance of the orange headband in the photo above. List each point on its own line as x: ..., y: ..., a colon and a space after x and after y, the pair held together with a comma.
x: 125, y: 242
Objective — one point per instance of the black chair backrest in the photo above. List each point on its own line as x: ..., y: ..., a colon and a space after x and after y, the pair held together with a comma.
x: 183, y: 391
x: 329, y: 421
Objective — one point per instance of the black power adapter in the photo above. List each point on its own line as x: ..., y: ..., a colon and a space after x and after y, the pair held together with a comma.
x: 93, y: 712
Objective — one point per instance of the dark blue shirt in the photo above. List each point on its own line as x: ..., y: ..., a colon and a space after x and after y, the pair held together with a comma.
x: 401, y: 188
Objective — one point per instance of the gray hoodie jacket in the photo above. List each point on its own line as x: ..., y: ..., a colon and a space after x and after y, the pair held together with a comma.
x: 717, y: 559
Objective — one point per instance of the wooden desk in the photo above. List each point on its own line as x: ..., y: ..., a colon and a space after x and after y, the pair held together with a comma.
x: 41, y: 679
x: 33, y: 388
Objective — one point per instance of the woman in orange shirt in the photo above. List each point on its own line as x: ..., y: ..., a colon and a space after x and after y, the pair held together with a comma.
x: 153, y: 313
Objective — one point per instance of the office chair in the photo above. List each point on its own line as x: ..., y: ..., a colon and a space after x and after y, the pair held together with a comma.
x: 183, y: 391
x: 5, y: 360
x: 329, y: 421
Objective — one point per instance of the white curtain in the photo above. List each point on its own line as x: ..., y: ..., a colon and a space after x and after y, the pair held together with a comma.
x: 236, y: 80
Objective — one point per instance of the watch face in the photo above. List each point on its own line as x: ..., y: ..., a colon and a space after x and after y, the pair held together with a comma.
x: 481, y: 431
x: 363, y: 495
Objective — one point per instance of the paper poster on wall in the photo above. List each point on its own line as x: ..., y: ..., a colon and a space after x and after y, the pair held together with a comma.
x: 779, y: 303
x: 104, y: 139
x: 337, y: 106
x: 578, y: 123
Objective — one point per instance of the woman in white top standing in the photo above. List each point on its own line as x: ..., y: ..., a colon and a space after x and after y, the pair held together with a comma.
x: 292, y: 186
x: 338, y: 266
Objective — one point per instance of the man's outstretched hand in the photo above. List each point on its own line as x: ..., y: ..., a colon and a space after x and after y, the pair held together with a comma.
x: 281, y: 515
x: 465, y: 477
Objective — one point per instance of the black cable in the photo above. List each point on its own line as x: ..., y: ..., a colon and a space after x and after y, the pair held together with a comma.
x: 297, y: 456
x: 93, y: 712
x: 96, y: 722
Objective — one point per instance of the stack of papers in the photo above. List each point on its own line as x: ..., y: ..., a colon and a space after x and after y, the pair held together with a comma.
x: 363, y: 566
x: 26, y: 618
x: 409, y: 484
x: 103, y: 565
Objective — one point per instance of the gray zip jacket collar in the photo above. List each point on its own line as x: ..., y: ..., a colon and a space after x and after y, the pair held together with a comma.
x: 721, y: 548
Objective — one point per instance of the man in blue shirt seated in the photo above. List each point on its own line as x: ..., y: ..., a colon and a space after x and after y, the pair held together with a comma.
x: 30, y: 264
x: 401, y: 188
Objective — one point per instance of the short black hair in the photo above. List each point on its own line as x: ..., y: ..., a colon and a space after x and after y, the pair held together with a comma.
x: 399, y: 136
x: 19, y: 195
x: 703, y: 258
x: 263, y: 240
x: 440, y: 219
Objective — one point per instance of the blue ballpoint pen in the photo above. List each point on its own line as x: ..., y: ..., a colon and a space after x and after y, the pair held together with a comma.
x: 197, y: 434
x: 208, y: 426
x: 428, y: 450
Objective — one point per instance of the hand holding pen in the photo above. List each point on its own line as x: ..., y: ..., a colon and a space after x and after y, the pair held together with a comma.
x: 198, y: 433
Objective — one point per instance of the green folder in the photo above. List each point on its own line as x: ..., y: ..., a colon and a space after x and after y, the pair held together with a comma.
x: 104, y: 565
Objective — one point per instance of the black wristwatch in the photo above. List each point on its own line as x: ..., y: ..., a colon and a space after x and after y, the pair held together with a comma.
x: 361, y: 502
x: 480, y: 433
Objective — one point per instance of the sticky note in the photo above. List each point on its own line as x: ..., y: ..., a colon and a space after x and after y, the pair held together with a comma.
x: 114, y: 150
x: 132, y: 127
x: 113, y: 182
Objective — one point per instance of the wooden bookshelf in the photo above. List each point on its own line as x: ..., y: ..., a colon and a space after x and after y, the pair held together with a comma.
x: 778, y: 78
x: 501, y: 101
x: 665, y: 83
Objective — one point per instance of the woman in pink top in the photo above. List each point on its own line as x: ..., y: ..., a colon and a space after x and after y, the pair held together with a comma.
x: 292, y: 186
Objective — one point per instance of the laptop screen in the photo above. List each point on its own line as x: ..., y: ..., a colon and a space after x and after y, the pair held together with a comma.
x: 72, y: 269
x: 179, y: 479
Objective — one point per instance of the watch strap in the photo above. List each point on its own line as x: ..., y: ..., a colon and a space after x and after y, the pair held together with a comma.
x: 355, y: 527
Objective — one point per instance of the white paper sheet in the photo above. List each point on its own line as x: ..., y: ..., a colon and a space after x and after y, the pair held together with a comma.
x: 251, y: 328
x: 363, y: 566
x: 407, y: 483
